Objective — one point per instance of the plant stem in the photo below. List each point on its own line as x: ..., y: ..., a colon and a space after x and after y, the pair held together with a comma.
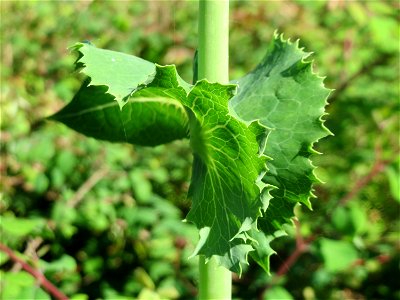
x: 213, y: 64
x: 215, y: 281
x: 213, y: 54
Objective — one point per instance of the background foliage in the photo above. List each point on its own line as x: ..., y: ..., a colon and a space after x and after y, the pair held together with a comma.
x: 103, y: 220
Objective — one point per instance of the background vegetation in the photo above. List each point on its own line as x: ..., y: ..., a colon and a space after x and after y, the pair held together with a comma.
x: 103, y: 221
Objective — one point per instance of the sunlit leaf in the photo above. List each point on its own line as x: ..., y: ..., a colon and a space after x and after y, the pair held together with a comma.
x: 284, y: 94
x: 104, y: 108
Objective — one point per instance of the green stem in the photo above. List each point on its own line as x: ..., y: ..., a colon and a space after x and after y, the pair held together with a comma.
x: 215, y: 281
x: 213, y: 55
x: 213, y: 64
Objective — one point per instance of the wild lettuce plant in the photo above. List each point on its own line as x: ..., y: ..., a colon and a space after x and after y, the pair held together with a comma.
x: 251, y: 138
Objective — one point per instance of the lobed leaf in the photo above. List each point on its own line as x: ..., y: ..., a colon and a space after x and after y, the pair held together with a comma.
x: 284, y: 94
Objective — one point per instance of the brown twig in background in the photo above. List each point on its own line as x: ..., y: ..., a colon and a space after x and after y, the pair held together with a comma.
x: 86, y: 187
x: 30, y: 251
x: 349, y: 80
x: 302, y: 246
x: 378, y: 167
x: 42, y: 280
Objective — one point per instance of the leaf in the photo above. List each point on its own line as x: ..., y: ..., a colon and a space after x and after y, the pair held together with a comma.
x: 226, y: 200
x: 20, y: 285
x: 20, y: 227
x: 63, y: 265
x: 121, y: 73
x: 338, y: 255
x: 3, y: 258
x: 284, y: 94
x: 262, y: 249
x: 277, y: 292
x: 105, y: 109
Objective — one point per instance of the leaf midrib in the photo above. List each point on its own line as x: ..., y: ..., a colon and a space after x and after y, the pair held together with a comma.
x: 161, y: 100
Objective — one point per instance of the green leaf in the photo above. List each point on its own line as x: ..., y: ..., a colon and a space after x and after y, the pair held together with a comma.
x: 338, y: 255
x: 20, y: 285
x: 262, y: 249
x: 142, y: 188
x: 341, y: 219
x: 20, y: 227
x: 359, y: 217
x: 143, y: 278
x: 121, y: 73
x: 284, y: 94
x: 105, y: 109
x: 80, y: 297
x: 148, y: 294
x: 277, y: 292
x: 3, y: 258
x: 227, y: 164
x: 65, y: 264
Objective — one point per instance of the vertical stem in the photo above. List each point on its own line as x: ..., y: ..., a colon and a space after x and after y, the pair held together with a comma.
x: 213, y: 64
x: 215, y: 281
x: 213, y: 54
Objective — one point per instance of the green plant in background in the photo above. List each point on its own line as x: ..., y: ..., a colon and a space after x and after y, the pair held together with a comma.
x: 251, y: 138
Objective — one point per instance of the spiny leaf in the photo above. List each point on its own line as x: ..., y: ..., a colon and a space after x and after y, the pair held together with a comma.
x: 228, y: 161
x: 262, y: 249
x: 284, y: 94
x: 227, y: 164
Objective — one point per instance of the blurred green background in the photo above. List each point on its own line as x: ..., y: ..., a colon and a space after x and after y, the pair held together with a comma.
x: 103, y: 221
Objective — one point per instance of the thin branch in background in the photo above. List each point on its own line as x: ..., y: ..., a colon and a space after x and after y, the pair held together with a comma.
x: 378, y: 167
x: 87, y: 186
x: 42, y: 280
x: 381, y: 60
x: 302, y: 246
x: 30, y: 251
